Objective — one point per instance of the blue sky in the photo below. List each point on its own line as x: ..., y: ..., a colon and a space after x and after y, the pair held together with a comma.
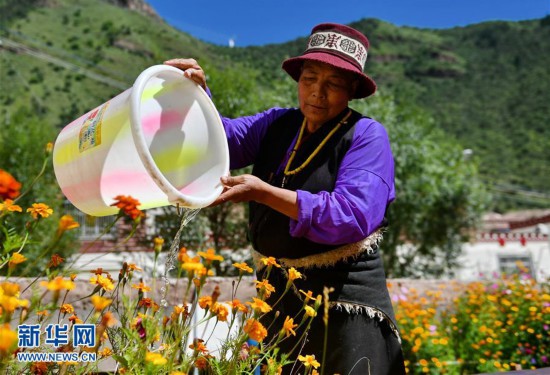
x: 275, y: 21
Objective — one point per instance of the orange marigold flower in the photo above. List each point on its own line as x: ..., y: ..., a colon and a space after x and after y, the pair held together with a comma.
x: 43, y: 313
x: 255, y: 330
x: 270, y: 261
x: 100, y: 303
x: 309, y: 361
x: 293, y: 274
x: 9, y: 186
x: 132, y: 267
x: 243, y: 267
x: 148, y: 303
x: 265, y: 286
x: 108, y: 319
x: 8, y: 205
x: 16, y: 259
x: 55, y: 261
x: 141, y: 287
x: 8, y: 339
x: 128, y: 206
x: 98, y: 271
x: 40, y: 209
x: 66, y: 222
x: 221, y: 311
x: 39, y: 368
x: 58, y: 284
x: 205, y: 302
x: 236, y: 305
x: 260, y: 305
x: 182, y: 255
x: 75, y: 319
x: 105, y: 352
x: 67, y: 308
x: 288, y: 326
x: 210, y: 255
x: 198, y: 346
x: 309, y: 295
x: 201, y: 363
x: 102, y: 281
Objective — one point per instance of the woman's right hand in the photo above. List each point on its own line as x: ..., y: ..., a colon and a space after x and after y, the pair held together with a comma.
x: 191, y: 69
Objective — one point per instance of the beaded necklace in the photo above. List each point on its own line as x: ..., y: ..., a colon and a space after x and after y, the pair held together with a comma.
x: 287, y: 172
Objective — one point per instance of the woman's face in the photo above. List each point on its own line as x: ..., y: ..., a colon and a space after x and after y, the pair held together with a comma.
x: 323, y: 92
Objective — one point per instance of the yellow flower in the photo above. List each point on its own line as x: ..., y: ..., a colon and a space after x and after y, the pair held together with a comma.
x: 293, y: 274
x: 100, y: 303
x: 310, y: 311
x: 8, y: 339
x: 192, y: 265
x: 133, y: 267
x: 243, y: 267
x: 8, y: 205
x: 102, y: 281
x: 270, y: 261
x: 67, y: 308
x: 288, y: 326
x: 9, y: 297
x: 66, y: 222
x: 260, y: 305
x: 157, y: 244
x: 309, y: 361
x: 58, y: 284
x: 255, y: 330
x: 40, y: 209
x: 16, y: 259
x: 141, y: 287
x: 155, y: 358
x: 210, y: 255
x: 177, y: 373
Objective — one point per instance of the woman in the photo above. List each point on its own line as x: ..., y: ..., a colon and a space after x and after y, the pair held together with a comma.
x: 320, y: 186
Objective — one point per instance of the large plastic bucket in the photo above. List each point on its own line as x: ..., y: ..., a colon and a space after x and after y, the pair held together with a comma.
x: 161, y: 142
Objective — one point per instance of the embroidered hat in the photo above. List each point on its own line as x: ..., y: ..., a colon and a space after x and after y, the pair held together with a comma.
x: 340, y: 46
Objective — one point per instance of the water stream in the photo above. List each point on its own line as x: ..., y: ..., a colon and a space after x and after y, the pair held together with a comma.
x: 187, y: 215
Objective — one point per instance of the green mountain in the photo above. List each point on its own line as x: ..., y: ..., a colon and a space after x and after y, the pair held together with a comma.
x: 487, y: 85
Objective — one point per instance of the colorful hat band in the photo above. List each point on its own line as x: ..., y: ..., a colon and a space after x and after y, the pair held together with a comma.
x: 341, y: 43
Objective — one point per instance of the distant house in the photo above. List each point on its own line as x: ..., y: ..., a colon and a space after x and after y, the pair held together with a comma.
x: 509, y: 243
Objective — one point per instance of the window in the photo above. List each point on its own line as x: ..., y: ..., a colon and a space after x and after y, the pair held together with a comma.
x: 90, y: 226
x: 515, y: 264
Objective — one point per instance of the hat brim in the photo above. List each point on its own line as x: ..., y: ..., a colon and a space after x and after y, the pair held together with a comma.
x: 293, y: 66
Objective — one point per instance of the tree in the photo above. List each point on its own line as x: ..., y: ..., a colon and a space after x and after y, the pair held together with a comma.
x: 439, y: 196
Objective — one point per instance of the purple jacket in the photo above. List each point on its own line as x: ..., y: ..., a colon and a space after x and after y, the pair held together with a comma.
x: 364, y: 186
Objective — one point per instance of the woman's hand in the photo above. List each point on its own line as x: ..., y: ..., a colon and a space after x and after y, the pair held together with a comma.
x: 242, y: 188
x: 191, y: 69
x: 247, y: 187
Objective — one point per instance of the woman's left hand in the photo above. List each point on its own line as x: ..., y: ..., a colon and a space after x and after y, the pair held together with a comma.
x: 247, y: 187
x: 242, y: 188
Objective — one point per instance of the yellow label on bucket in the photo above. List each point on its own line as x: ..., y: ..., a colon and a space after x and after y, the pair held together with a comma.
x: 90, y: 132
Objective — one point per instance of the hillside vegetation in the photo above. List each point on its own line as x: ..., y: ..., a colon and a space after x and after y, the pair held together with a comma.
x: 486, y: 85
